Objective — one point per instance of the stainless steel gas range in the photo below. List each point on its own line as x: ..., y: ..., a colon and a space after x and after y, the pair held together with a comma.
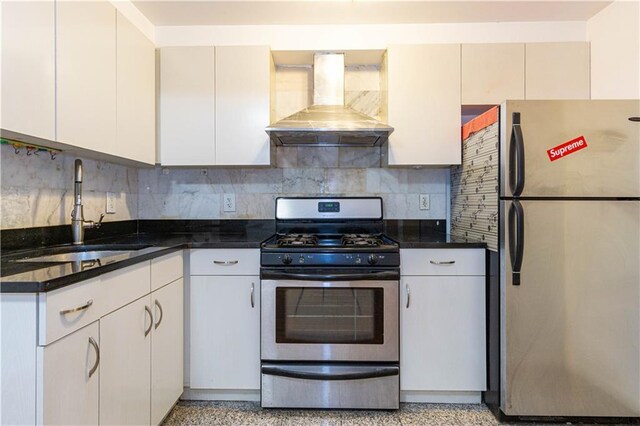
x: 330, y: 306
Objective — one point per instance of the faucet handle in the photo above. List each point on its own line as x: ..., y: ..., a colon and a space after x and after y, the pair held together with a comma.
x: 99, y: 223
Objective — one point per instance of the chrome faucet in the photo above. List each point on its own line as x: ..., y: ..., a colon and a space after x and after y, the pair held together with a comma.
x: 78, y: 224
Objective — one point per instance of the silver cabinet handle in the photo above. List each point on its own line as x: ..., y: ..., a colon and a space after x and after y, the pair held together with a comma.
x: 444, y: 262
x: 253, y: 300
x: 225, y: 262
x: 148, y: 330
x: 97, y: 349
x: 161, y: 313
x: 79, y: 308
x: 408, y: 296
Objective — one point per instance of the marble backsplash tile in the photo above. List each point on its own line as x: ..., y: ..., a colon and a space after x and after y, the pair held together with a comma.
x: 197, y: 193
x: 38, y: 191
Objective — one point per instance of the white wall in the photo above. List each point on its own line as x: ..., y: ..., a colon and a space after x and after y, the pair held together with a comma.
x: 352, y: 37
x: 614, y: 34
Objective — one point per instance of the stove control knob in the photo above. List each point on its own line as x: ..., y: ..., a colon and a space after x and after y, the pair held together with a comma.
x: 286, y: 259
x: 373, y: 259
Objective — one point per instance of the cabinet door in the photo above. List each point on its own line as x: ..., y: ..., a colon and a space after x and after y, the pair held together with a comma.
x: 557, y: 70
x: 136, y: 94
x: 442, y: 334
x: 423, y: 85
x: 225, y: 332
x: 187, y: 105
x: 492, y: 73
x: 69, y: 372
x: 86, y: 74
x: 242, y: 105
x: 167, y: 346
x: 28, y: 68
x: 125, y: 372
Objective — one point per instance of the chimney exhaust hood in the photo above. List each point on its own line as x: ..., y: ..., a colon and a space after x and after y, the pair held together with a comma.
x: 328, y: 122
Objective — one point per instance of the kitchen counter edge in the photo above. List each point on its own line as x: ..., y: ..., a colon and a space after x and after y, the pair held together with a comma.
x: 73, y: 278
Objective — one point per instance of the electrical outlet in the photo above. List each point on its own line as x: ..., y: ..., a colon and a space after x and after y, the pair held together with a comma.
x: 111, y: 203
x: 229, y: 202
x: 424, y: 201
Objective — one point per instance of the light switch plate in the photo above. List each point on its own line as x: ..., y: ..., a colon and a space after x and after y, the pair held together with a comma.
x: 424, y: 202
x: 229, y: 202
x: 111, y: 203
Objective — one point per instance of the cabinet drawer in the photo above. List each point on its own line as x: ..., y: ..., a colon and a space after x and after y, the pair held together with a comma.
x: 442, y: 261
x: 124, y: 286
x: 225, y: 262
x: 166, y: 269
x: 63, y: 311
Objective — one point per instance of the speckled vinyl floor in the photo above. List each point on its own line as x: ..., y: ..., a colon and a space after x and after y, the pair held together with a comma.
x: 250, y: 413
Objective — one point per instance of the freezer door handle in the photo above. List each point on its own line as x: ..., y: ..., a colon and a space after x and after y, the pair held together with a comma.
x: 516, y: 239
x: 516, y: 157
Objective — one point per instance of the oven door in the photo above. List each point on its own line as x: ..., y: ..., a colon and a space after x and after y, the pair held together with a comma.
x: 330, y: 318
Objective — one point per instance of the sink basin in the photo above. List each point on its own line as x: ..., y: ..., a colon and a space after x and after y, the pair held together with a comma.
x: 77, y: 256
x: 83, y: 253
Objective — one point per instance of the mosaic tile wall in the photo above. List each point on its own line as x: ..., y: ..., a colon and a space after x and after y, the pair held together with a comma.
x: 474, y: 189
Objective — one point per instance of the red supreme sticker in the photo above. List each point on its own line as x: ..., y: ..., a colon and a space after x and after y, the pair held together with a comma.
x: 567, y: 148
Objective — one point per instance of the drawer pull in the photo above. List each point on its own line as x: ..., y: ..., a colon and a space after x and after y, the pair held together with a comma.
x: 97, y: 349
x: 78, y: 309
x: 148, y: 330
x: 161, y: 314
x: 225, y: 262
x: 443, y: 262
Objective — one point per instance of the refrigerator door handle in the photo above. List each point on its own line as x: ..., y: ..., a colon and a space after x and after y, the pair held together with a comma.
x: 516, y: 157
x: 516, y: 239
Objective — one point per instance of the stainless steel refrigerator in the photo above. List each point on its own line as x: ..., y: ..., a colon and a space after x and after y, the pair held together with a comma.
x: 569, y: 244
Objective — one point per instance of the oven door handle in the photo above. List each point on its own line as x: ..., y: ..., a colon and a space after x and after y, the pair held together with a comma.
x: 307, y: 375
x: 360, y: 276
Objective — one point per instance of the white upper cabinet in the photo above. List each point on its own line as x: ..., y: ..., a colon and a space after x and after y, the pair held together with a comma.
x: 423, y: 90
x: 492, y: 73
x: 136, y: 91
x: 214, y: 106
x: 557, y: 70
x: 187, y: 106
x: 243, y: 87
x: 86, y: 74
x: 28, y: 68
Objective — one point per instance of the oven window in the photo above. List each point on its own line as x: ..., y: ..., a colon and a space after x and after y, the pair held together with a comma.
x: 329, y: 315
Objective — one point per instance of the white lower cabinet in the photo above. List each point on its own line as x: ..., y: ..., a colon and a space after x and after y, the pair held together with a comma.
x: 442, y: 339
x: 442, y: 325
x: 123, y: 365
x: 69, y: 377
x: 125, y: 393
x: 166, y: 349
x: 225, y: 332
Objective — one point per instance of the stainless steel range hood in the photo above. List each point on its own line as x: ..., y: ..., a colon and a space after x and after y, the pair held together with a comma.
x: 328, y: 122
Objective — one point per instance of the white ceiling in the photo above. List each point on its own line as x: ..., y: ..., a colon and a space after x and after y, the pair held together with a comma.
x: 313, y: 12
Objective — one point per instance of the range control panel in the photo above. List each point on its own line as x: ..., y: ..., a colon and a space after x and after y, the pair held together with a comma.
x: 330, y: 259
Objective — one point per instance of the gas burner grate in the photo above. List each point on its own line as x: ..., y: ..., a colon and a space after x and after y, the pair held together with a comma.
x: 297, y: 240
x: 361, y: 240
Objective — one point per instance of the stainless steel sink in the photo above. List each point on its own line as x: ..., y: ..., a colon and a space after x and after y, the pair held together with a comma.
x: 83, y: 253
x: 77, y: 256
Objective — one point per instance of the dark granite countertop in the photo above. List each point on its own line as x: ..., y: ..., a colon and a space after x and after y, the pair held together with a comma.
x: 163, y: 237
x: 426, y: 234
